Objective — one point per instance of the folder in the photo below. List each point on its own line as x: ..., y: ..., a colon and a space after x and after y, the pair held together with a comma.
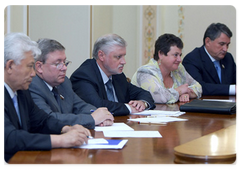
x: 217, y: 107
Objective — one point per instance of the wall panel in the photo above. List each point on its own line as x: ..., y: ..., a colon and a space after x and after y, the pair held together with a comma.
x: 70, y: 25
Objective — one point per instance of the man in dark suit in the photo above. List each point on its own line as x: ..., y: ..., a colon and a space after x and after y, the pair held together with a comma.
x: 26, y: 127
x: 211, y: 65
x: 51, y: 67
x: 101, y: 82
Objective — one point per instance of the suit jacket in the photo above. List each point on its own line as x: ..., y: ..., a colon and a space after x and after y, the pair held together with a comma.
x: 88, y: 84
x: 72, y: 109
x: 35, y: 129
x: 201, y: 68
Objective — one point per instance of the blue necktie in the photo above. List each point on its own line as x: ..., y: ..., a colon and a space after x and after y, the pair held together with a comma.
x: 15, y: 102
x: 110, y: 90
x: 218, y: 68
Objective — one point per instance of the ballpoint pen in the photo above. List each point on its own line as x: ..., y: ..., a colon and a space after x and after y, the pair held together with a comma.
x: 90, y: 137
x: 152, y: 123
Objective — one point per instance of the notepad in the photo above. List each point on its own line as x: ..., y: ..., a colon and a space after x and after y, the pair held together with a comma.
x: 112, y: 144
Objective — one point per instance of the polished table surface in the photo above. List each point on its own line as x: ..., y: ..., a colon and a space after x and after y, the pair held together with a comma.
x: 216, y: 147
x: 138, y: 150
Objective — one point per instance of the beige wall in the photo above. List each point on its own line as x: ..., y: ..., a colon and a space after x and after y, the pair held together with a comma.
x: 198, y: 18
x: 77, y: 27
x: 70, y: 25
x: 121, y: 20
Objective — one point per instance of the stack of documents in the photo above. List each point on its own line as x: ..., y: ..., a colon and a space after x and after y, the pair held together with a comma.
x: 157, y: 119
x: 160, y: 113
x: 158, y: 116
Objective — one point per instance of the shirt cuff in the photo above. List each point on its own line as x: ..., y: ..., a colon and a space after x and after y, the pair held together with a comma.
x: 232, y: 89
x: 129, y: 108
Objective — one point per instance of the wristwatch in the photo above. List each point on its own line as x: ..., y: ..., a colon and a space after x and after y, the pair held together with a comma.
x: 146, y: 104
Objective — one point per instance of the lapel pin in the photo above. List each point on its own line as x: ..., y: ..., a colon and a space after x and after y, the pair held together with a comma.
x: 223, y: 66
x: 61, y: 96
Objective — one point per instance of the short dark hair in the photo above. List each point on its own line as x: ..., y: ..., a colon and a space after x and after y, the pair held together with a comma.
x: 164, y: 42
x: 47, y: 46
x: 214, y: 31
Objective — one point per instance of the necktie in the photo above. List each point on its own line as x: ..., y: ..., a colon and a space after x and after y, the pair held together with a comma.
x: 15, y: 102
x: 110, y: 90
x: 218, y: 68
x: 56, y: 95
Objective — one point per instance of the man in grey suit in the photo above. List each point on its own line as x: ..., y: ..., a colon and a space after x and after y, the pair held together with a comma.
x: 26, y: 127
x: 52, y: 91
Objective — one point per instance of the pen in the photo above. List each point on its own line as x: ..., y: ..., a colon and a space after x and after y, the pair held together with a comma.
x: 154, y: 123
x: 156, y: 116
x: 90, y: 137
x: 94, y: 111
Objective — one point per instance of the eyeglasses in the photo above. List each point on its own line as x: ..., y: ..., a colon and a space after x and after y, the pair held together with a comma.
x: 59, y: 66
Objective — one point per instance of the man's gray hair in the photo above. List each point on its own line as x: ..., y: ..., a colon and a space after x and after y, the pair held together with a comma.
x: 16, y: 44
x: 106, y: 42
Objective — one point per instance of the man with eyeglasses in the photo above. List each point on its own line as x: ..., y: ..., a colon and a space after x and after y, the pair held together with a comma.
x: 52, y: 91
x: 26, y: 127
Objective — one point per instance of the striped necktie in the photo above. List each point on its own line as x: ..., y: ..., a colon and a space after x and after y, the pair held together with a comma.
x: 110, y: 94
x: 56, y: 95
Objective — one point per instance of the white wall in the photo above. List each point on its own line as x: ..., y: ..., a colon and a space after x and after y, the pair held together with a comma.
x: 167, y: 20
x: 198, y: 18
x: 124, y: 21
x: 70, y: 25
x: 101, y: 21
x: 126, y: 24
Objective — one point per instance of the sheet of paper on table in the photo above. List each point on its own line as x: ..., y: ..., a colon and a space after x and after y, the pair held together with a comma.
x: 160, y: 112
x: 115, y: 126
x: 97, y: 141
x: 157, y: 119
x: 132, y: 134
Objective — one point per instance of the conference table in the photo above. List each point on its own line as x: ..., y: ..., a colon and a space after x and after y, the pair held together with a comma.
x: 141, y: 150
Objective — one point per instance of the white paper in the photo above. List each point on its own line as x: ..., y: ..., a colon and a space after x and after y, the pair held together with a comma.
x: 133, y: 134
x: 104, y: 146
x: 160, y: 112
x: 97, y: 141
x: 159, y: 120
x: 115, y: 126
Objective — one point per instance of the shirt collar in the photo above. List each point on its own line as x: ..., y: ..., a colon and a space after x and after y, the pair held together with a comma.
x: 11, y: 93
x: 50, y: 87
x: 212, y: 59
x: 104, y: 76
